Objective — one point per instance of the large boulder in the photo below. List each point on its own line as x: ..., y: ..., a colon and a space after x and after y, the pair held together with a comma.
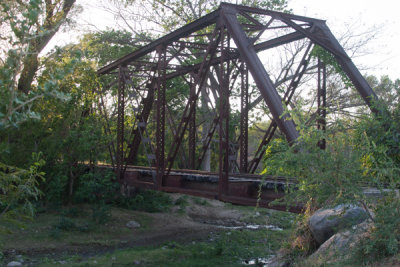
x: 339, y: 245
x: 324, y: 223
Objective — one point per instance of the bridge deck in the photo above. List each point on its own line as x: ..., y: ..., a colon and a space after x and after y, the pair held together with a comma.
x: 243, y: 189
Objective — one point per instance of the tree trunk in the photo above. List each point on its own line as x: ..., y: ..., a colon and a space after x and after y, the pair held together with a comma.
x: 51, y: 24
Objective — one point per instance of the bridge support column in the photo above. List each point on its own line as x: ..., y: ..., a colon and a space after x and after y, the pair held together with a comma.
x: 120, y: 124
x: 223, y: 119
x: 244, y: 118
x: 192, y: 128
x: 160, y: 128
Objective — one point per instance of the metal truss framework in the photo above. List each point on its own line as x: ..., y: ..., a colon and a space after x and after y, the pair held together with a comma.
x: 221, y: 49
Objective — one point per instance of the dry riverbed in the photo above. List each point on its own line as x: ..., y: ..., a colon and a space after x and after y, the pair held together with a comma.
x: 192, y: 232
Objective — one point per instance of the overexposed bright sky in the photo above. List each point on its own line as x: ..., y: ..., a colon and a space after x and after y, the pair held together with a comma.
x: 381, y: 56
x: 383, y: 53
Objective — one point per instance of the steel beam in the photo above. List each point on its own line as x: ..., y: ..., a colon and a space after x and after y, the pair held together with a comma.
x: 244, y: 118
x: 322, y: 36
x: 141, y: 121
x: 192, y: 129
x: 120, y: 123
x: 166, y: 40
x: 260, y: 76
x: 294, y: 83
x: 188, y: 112
x: 281, y: 40
x: 223, y: 155
x: 275, y: 14
x: 160, y: 128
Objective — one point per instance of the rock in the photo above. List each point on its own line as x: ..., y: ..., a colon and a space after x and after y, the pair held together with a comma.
x: 340, y: 244
x: 133, y: 224
x: 14, y: 263
x: 324, y: 223
x: 277, y: 261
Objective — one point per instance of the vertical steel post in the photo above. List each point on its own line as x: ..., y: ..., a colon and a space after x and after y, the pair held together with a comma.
x: 120, y: 123
x: 160, y: 128
x: 244, y: 118
x: 223, y: 121
x: 192, y: 128
x: 321, y: 95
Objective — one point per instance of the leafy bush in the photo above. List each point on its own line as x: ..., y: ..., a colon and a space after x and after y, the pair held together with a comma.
x: 18, y: 187
x: 96, y: 186
x: 327, y: 177
x: 352, y: 160
x: 56, y: 188
x: 147, y: 200
x: 385, y: 235
x: 101, y: 213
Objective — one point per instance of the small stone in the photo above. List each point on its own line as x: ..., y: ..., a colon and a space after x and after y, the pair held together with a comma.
x: 95, y: 262
x: 133, y: 224
x: 257, y: 214
x: 136, y: 262
x: 113, y: 258
x: 14, y: 263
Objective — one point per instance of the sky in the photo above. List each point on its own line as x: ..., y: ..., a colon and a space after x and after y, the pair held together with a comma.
x: 383, y: 53
x: 381, y: 56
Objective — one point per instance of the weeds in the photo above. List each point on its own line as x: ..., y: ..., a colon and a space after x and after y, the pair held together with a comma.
x: 146, y: 200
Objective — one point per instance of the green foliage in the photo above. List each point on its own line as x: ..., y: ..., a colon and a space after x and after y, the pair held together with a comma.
x: 380, y: 138
x: 327, y: 177
x: 330, y: 61
x: 367, y: 156
x: 66, y: 224
x: 383, y: 240
x: 101, y: 213
x: 16, y: 106
x: 104, y: 47
x: 96, y: 186
x: 18, y: 187
x: 147, y: 200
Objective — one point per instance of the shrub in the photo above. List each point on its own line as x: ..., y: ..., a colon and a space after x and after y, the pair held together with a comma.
x: 327, y: 177
x: 95, y: 187
x: 147, y: 200
x: 18, y: 187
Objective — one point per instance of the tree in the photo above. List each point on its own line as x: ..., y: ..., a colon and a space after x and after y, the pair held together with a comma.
x: 26, y: 27
x: 40, y: 22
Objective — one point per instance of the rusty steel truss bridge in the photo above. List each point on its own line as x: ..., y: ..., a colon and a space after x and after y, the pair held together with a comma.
x: 213, y: 58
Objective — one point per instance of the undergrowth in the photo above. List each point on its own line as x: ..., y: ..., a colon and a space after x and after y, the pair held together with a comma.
x: 352, y: 161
